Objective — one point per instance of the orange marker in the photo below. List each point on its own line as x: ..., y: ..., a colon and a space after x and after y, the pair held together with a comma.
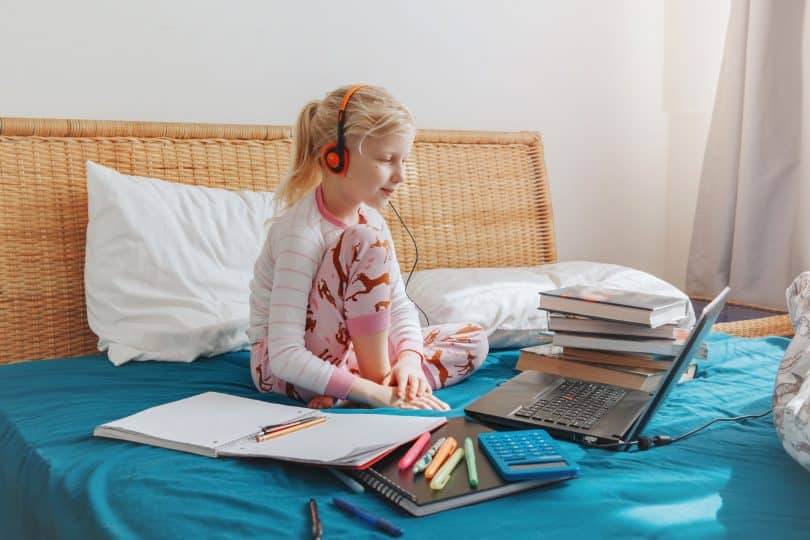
x: 448, y: 447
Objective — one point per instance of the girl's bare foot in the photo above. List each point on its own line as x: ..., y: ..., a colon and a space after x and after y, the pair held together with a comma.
x: 321, y: 402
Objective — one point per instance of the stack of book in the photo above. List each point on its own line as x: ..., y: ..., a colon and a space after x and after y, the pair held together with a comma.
x: 628, y: 339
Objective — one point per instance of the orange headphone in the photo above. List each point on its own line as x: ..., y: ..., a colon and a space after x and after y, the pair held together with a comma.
x: 335, y: 156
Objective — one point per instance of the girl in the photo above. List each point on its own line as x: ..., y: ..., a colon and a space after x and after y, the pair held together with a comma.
x: 329, y: 317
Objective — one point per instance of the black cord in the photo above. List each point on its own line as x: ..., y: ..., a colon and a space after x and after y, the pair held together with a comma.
x: 645, y: 443
x: 732, y: 419
x: 415, y: 260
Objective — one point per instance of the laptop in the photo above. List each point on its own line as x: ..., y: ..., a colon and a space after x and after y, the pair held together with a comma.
x: 586, y: 412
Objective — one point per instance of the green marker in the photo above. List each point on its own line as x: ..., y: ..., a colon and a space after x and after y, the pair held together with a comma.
x: 469, y: 454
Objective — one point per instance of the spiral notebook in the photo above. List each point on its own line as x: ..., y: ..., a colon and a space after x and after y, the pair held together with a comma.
x: 413, y: 494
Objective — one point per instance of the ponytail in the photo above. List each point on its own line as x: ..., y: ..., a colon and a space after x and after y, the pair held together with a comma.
x: 305, y: 173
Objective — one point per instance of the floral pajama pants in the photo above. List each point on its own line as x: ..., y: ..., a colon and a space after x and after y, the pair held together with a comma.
x: 351, y: 289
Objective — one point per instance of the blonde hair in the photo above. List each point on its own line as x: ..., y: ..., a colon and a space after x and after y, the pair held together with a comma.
x: 371, y: 112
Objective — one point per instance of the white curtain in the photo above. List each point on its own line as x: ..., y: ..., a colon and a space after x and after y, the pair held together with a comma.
x: 752, y: 224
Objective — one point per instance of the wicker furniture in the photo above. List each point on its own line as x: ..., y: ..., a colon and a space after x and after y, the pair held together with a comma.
x: 473, y: 199
x: 773, y: 325
x: 494, y: 181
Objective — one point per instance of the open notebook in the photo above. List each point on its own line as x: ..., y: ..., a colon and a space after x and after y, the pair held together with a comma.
x: 214, y: 424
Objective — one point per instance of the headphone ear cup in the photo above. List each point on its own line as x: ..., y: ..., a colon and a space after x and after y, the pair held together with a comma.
x: 334, y: 161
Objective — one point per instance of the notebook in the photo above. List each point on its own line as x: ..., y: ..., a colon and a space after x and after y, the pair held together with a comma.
x: 586, y: 412
x: 413, y: 494
x: 214, y: 424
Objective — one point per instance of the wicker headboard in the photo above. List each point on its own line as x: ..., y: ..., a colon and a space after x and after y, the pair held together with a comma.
x: 471, y: 199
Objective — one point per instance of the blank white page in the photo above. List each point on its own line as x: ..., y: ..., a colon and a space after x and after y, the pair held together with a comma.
x: 206, y: 420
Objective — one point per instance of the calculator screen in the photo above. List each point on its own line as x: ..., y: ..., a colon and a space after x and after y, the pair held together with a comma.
x: 550, y: 465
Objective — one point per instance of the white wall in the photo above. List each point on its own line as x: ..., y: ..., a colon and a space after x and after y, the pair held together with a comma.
x: 592, y: 76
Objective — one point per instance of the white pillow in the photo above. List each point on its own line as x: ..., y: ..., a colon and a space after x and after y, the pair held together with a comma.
x: 168, y: 266
x: 504, y: 300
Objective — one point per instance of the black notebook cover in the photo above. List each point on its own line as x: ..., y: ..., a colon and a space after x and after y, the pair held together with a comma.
x: 413, y: 494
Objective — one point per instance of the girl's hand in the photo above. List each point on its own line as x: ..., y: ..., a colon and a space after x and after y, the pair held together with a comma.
x: 408, y: 377
x: 427, y: 401
x: 378, y: 395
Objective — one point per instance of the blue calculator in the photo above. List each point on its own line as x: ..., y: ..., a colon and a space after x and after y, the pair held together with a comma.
x: 529, y: 454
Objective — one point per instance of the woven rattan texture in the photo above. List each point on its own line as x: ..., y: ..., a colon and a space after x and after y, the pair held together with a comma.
x: 776, y: 325
x: 471, y: 199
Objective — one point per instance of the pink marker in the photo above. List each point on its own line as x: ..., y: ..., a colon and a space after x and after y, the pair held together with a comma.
x: 415, y: 451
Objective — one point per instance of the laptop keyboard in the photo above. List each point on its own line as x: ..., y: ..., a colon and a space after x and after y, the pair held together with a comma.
x: 574, y: 403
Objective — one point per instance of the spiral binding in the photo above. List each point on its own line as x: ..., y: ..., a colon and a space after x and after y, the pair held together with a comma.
x: 385, y: 487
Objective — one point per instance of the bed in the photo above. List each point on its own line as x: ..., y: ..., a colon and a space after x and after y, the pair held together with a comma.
x: 57, y: 481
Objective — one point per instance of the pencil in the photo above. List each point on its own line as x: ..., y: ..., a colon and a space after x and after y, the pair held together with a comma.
x: 272, y: 429
x: 296, y: 427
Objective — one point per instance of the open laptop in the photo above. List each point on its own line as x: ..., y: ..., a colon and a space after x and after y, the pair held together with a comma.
x: 587, y: 412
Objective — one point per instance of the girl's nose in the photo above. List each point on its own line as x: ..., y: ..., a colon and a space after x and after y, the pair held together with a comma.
x: 399, y: 174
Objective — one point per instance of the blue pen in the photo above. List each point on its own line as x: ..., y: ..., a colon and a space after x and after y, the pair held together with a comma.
x: 376, y: 522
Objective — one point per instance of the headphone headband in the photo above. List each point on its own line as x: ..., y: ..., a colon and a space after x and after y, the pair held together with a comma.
x: 348, y: 95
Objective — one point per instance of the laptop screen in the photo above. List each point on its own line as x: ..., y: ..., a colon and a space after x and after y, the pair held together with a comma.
x: 702, y: 327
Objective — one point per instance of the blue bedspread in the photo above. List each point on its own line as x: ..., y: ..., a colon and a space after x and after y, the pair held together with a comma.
x: 732, y: 480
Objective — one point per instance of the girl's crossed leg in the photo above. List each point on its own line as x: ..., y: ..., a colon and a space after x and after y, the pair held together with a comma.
x: 350, y: 299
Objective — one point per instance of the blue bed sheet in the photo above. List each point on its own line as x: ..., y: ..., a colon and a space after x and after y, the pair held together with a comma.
x: 732, y: 480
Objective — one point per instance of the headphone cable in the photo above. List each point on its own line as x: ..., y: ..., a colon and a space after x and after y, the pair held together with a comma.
x: 415, y: 260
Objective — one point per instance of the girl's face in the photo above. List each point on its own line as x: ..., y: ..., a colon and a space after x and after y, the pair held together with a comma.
x: 374, y: 174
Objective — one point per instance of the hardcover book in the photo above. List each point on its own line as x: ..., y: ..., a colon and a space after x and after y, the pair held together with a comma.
x: 615, y: 304
x: 555, y: 360
x: 647, y: 382
x: 641, y: 360
x: 648, y: 361
x: 630, y: 344
x: 573, y: 323
x: 412, y: 493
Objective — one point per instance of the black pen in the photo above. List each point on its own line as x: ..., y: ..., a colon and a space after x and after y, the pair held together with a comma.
x: 317, y: 528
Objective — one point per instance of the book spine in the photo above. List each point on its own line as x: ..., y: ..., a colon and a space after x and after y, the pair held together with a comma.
x: 593, y: 309
x: 382, y: 485
x: 639, y: 346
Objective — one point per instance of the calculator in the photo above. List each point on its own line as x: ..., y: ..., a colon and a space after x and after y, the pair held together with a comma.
x: 529, y: 454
